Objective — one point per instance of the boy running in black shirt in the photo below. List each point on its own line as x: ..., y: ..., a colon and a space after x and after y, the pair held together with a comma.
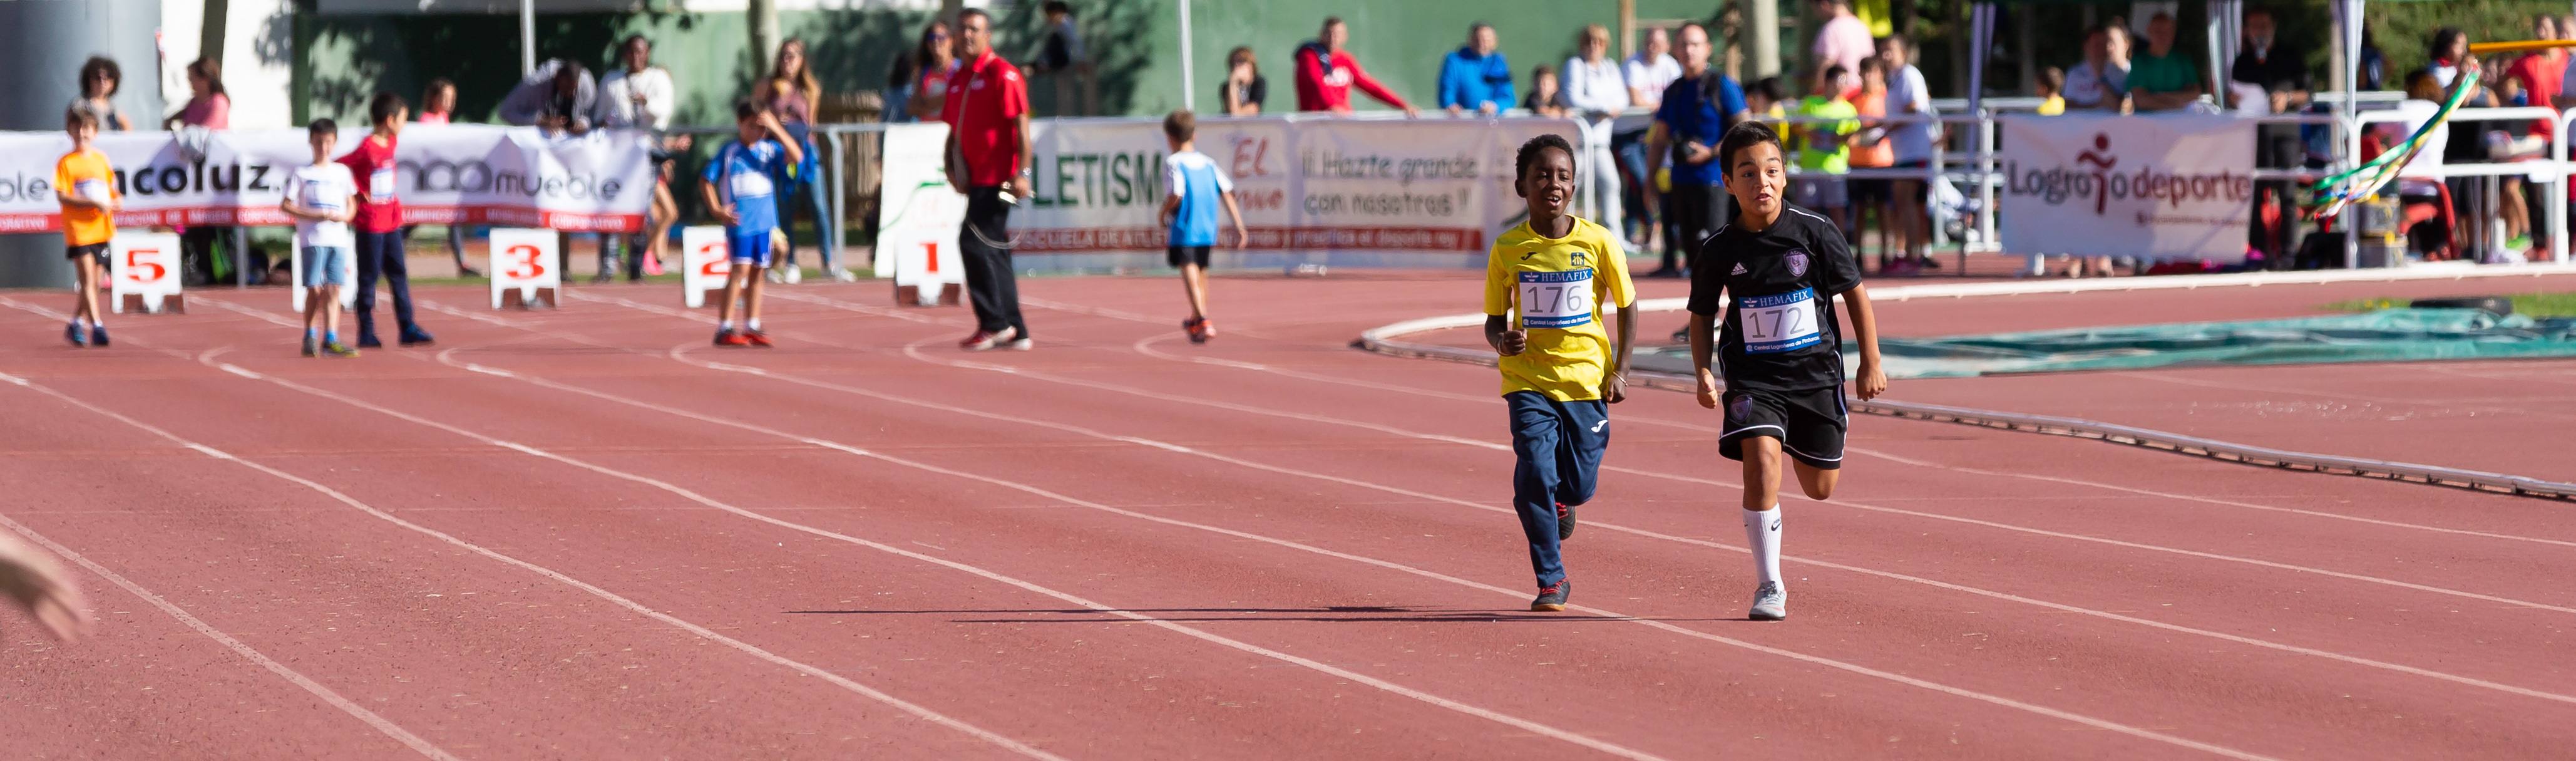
x: 1781, y: 351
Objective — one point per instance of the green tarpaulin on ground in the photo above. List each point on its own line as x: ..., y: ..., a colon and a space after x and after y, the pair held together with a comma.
x: 2388, y: 335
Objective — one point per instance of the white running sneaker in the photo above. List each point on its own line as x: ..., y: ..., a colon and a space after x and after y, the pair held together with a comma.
x: 844, y: 275
x: 1023, y: 345
x: 1770, y: 602
x: 795, y: 274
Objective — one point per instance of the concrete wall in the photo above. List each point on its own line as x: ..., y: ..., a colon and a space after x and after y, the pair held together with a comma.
x: 39, y: 77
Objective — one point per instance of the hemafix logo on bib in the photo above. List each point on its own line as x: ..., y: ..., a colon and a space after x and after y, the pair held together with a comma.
x: 2167, y: 186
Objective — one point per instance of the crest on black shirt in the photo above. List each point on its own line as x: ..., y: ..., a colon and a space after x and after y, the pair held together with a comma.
x: 1797, y: 263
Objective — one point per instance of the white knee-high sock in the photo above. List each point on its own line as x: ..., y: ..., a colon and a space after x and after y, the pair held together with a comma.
x: 1762, y: 533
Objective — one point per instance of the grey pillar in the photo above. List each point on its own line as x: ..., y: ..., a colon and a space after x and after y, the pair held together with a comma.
x: 39, y: 73
x: 1762, y: 43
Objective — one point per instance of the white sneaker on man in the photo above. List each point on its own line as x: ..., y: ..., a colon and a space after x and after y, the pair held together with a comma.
x: 843, y: 274
x: 795, y: 274
x: 1770, y: 602
x: 1023, y: 345
x: 982, y: 341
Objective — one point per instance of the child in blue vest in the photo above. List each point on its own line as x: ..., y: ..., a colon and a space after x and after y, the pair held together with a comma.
x: 740, y: 188
x: 1198, y: 188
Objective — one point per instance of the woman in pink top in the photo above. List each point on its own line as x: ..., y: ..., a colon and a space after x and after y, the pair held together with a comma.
x: 208, y: 106
x: 437, y: 102
x: 437, y: 105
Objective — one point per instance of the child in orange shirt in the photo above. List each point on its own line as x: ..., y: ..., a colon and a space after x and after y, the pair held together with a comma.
x: 86, y: 186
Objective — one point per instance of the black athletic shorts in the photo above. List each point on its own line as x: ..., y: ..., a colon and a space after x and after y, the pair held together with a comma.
x: 96, y: 251
x: 1180, y: 255
x: 1869, y: 194
x: 1809, y: 424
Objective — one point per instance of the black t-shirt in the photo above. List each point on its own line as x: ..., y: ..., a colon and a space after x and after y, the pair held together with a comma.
x: 1253, y: 92
x: 1780, y: 332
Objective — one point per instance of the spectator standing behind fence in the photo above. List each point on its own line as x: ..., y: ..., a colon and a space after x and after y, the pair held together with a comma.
x: 1063, y: 61
x: 1908, y: 95
x: 1326, y: 73
x: 1697, y: 109
x: 1842, y: 41
x: 1545, y: 98
x: 988, y: 153
x: 1647, y: 71
x: 1596, y: 92
x: 208, y: 108
x: 2282, y: 72
x: 1243, y: 90
x: 2052, y: 92
x: 438, y: 106
x: 919, y: 83
x: 790, y: 92
x: 2101, y: 81
x: 1824, y: 146
x: 2163, y: 79
x: 641, y: 96
x: 100, y: 79
x: 559, y: 97
x: 1475, y: 77
x: 1871, y: 149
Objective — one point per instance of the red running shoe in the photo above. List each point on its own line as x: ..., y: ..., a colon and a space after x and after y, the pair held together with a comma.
x: 731, y: 338
x: 756, y: 338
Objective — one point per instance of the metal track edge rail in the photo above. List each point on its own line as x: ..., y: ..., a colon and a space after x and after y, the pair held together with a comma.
x: 1385, y: 340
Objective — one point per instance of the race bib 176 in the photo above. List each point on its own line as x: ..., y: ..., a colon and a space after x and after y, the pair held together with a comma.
x: 1779, y: 323
x: 1556, y: 299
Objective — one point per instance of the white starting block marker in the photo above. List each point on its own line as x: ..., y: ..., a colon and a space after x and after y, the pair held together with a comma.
x: 705, y: 260
x: 143, y: 273
x: 927, y: 273
x: 523, y: 268
x: 348, y: 295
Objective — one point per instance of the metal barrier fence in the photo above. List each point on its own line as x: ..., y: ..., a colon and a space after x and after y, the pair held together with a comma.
x: 1973, y: 169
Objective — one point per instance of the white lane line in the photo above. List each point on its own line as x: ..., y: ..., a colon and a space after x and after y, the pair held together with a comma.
x: 677, y: 353
x: 914, y: 352
x: 371, y: 718
x: 1144, y: 346
x: 594, y: 590
x: 693, y: 496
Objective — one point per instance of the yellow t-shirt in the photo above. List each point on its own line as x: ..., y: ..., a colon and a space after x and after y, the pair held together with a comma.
x: 2055, y: 105
x: 86, y: 174
x: 1562, y: 289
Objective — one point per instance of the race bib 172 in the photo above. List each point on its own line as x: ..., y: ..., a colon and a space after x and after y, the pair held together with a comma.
x: 1779, y: 323
x: 1556, y: 299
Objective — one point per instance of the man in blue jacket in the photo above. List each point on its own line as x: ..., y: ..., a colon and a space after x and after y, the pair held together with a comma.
x: 1476, y: 76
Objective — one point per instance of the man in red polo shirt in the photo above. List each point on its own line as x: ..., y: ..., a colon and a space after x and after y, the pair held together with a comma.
x: 988, y: 153
x: 1326, y: 73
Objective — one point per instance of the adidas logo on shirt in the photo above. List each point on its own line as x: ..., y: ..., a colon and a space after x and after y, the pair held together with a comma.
x: 1739, y: 269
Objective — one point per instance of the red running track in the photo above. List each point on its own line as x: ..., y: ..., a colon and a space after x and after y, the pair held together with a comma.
x: 585, y: 534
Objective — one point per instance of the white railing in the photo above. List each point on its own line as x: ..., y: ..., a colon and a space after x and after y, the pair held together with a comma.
x: 1975, y: 169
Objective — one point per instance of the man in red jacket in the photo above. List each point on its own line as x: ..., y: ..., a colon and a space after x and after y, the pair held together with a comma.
x: 1326, y: 72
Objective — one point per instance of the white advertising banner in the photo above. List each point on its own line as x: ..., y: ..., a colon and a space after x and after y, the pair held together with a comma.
x: 2169, y: 186
x: 918, y: 217
x: 1343, y: 192
x: 474, y: 174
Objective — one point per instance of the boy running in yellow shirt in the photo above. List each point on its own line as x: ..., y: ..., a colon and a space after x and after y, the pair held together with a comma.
x: 86, y: 186
x: 1560, y: 368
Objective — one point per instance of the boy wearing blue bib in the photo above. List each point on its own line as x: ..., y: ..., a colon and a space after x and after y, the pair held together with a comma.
x: 740, y: 186
x: 1560, y: 370
x: 1781, y: 350
x: 1195, y: 189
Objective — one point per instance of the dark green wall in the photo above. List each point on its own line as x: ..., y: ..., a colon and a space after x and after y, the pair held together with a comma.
x: 1135, y: 42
